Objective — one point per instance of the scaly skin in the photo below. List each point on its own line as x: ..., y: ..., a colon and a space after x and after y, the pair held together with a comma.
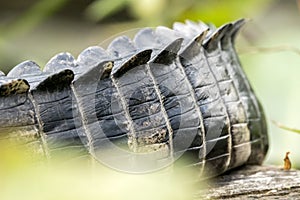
x: 143, y: 104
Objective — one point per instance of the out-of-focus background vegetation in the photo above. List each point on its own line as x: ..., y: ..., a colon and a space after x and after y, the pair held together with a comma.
x: 269, y: 45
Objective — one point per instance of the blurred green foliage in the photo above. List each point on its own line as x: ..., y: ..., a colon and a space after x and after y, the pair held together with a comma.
x: 31, y: 18
x: 79, y: 178
x: 167, y: 11
x: 135, y: 13
x: 274, y: 76
x: 147, y: 12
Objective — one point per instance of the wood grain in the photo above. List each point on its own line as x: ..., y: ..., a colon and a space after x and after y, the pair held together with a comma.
x: 253, y: 182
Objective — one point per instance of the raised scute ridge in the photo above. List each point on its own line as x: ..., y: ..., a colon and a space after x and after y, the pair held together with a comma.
x: 138, y: 59
x: 190, y: 30
x: 165, y: 35
x: 231, y: 33
x: 164, y: 50
x: 213, y: 40
x: 126, y: 55
x: 92, y: 56
x: 121, y: 47
x: 94, y: 74
x: 194, y: 47
x: 145, y: 39
x: 169, y: 53
x: 56, y: 81
x: 25, y: 68
x: 59, y: 62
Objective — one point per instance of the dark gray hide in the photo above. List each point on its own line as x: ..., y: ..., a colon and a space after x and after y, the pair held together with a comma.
x: 168, y: 95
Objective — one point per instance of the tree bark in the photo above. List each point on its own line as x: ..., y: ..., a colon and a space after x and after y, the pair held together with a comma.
x: 253, y: 182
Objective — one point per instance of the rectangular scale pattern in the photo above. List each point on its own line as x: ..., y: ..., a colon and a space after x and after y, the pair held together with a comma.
x: 176, y: 93
x: 19, y: 126
x: 148, y: 121
x: 104, y: 117
x: 236, y: 112
x: 59, y: 116
x: 253, y: 111
x: 181, y: 108
x: 215, y: 118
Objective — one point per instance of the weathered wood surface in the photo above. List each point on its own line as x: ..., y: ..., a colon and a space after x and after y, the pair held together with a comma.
x: 254, y: 182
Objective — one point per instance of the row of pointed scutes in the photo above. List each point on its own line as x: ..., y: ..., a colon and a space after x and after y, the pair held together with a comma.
x: 122, y: 48
x: 126, y: 53
x: 208, y: 35
x: 31, y: 73
x: 62, y: 68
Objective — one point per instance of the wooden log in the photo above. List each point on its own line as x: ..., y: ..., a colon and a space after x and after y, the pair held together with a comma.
x: 253, y: 182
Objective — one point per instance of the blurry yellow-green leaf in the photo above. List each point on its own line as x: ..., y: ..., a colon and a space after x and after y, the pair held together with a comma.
x: 74, y: 181
x: 220, y: 12
x: 100, y: 9
x: 148, y: 9
x: 167, y: 11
